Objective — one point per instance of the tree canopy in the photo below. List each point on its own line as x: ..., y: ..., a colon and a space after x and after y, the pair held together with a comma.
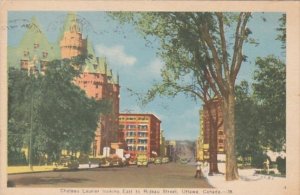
x: 201, y: 51
x: 58, y: 112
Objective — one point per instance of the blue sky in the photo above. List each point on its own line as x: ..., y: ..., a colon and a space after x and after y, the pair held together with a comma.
x: 139, y: 66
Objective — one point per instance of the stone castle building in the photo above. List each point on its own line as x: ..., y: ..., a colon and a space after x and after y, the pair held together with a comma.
x: 96, y: 79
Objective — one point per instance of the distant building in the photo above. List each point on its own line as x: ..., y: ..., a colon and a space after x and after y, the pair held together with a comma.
x: 97, y: 80
x: 140, y: 133
x: 162, y: 143
x: 171, y: 149
x: 204, y: 140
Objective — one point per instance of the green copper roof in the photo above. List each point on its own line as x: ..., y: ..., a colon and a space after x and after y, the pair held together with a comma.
x: 101, y: 65
x: 89, y: 67
x: 35, y: 43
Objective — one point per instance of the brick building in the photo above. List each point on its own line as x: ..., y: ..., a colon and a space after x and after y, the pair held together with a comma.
x: 97, y: 80
x: 205, y: 139
x: 140, y: 133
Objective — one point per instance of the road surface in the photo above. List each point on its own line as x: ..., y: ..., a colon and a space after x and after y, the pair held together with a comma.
x: 169, y: 175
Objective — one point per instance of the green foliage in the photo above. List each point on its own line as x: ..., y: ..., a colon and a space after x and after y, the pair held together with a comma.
x: 258, y: 159
x: 196, y: 56
x: 281, y: 165
x: 183, y: 48
x: 247, y: 126
x: 261, y: 114
x: 270, y: 92
x: 52, y: 110
x: 282, y: 30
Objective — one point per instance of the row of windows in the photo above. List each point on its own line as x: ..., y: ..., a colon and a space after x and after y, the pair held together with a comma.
x: 139, y: 148
x: 140, y: 134
x: 139, y: 127
x: 133, y: 141
x: 134, y: 118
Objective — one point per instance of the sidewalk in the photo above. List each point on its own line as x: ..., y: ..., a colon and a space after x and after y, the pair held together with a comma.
x: 249, y: 183
x: 26, y: 169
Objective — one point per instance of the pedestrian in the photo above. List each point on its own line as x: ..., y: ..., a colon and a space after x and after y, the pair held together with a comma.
x: 198, y: 169
x: 266, y: 165
x: 90, y: 164
x: 205, y: 169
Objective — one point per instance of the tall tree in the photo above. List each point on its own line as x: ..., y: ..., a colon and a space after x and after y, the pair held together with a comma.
x: 270, y: 91
x: 51, y: 112
x: 202, y: 41
x: 248, y: 122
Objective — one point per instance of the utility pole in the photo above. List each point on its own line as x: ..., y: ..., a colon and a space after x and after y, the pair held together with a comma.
x: 30, y: 134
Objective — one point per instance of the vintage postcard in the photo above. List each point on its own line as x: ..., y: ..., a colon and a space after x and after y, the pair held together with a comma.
x: 149, y: 97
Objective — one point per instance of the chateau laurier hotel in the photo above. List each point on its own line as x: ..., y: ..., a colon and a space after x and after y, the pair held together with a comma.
x: 96, y: 79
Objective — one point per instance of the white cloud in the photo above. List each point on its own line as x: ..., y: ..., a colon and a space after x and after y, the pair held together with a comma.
x: 152, y: 70
x: 155, y: 66
x: 116, y: 55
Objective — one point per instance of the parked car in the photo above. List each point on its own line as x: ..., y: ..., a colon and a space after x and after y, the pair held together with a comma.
x: 69, y: 161
x: 151, y: 160
x: 105, y: 162
x: 117, y: 162
x: 142, y: 160
x: 157, y: 160
x: 132, y: 161
x: 165, y: 160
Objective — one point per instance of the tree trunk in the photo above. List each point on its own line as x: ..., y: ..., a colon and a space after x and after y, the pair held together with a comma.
x: 213, y: 128
x: 229, y: 124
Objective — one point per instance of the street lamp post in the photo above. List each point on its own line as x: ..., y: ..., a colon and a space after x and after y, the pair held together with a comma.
x: 30, y: 134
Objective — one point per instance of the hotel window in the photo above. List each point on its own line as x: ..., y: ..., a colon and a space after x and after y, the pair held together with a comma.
x: 142, y: 148
x: 130, y: 126
x: 130, y: 134
x: 26, y: 53
x: 130, y: 141
x: 142, y: 141
x: 45, y: 54
x: 142, y: 127
x: 142, y: 134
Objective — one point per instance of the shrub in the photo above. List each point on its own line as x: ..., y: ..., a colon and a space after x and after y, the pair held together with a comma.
x: 281, y: 165
x: 258, y: 160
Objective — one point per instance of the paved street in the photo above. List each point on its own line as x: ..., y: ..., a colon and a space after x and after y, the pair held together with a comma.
x: 155, y: 176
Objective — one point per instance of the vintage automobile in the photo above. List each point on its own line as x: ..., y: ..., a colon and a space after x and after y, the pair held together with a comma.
x: 142, y: 160
x: 69, y: 161
x: 157, y: 160
x: 165, y: 160
x: 117, y: 162
x: 105, y: 162
x: 132, y: 161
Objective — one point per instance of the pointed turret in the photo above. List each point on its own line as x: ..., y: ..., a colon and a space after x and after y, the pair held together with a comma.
x: 72, y: 44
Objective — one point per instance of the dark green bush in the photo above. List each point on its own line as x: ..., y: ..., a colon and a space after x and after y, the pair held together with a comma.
x: 281, y: 165
x: 258, y: 160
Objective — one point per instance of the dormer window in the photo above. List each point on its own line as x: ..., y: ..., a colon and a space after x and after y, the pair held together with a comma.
x: 26, y: 53
x: 45, y: 54
x: 36, y: 45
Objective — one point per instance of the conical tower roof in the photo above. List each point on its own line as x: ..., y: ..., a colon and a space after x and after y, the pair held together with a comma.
x: 71, y: 22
